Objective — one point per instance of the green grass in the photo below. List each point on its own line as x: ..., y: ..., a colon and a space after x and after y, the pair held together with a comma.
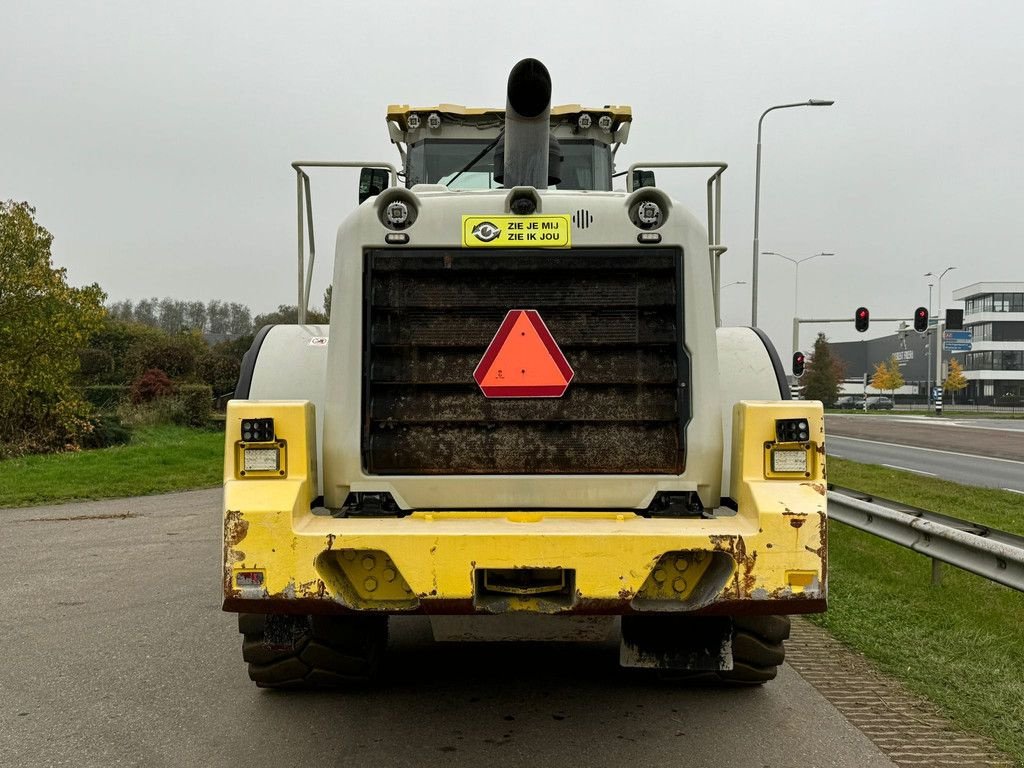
x: 960, y: 644
x: 158, y: 460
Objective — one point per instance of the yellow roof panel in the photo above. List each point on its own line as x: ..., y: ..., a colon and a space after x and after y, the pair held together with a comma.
x: 399, y: 112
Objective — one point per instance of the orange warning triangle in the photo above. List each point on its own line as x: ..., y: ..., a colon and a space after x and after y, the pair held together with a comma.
x: 523, y: 360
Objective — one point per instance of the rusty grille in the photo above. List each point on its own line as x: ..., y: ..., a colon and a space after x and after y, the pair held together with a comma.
x: 615, y: 313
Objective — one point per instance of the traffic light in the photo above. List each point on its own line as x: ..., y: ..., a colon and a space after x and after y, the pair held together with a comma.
x: 798, y: 364
x: 920, y: 319
x: 861, y: 318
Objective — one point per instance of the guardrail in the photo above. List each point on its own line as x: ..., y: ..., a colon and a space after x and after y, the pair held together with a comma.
x: 993, y: 554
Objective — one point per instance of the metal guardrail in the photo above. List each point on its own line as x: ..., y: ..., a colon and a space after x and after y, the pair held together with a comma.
x: 993, y: 554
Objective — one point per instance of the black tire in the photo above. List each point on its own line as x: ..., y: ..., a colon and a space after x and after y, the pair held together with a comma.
x: 758, y: 650
x: 312, y: 651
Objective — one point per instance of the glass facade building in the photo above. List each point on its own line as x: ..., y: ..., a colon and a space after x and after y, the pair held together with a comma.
x: 994, y: 368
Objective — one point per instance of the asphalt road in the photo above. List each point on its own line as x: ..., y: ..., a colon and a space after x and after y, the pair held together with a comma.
x: 116, y: 653
x: 982, y: 452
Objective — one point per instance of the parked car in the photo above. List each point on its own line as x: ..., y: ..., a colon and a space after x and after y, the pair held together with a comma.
x: 849, y: 402
x: 879, y: 403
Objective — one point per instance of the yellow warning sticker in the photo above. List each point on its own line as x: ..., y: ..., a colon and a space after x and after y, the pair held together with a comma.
x: 543, y: 231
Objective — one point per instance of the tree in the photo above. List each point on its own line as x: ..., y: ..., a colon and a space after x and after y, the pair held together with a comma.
x: 146, y: 312
x: 955, y: 379
x: 239, y: 319
x: 887, y: 375
x: 287, y: 314
x: 823, y: 373
x: 44, y: 322
x: 195, y: 316
x: 172, y: 315
x: 327, y: 299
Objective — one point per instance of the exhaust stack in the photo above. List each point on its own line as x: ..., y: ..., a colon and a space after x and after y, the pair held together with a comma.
x: 522, y: 156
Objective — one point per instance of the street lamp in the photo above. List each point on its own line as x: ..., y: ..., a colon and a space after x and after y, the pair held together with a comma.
x: 796, y: 288
x: 938, y: 325
x: 797, y: 262
x: 928, y: 347
x: 718, y: 307
x: 932, y: 274
x: 757, y: 190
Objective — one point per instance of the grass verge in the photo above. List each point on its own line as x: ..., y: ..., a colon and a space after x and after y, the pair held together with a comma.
x: 959, y: 644
x: 158, y: 460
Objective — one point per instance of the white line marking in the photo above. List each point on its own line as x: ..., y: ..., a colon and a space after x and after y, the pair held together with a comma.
x: 1014, y: 490
x: 919, y: 448
x: 908, y: 469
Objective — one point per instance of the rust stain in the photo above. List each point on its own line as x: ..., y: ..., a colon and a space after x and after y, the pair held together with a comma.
x: 817, y: 487
x: 236, y: 528
x: 796, y: 522
x: 315, y: 589
x: 330, y: 541
x: 743, y: 578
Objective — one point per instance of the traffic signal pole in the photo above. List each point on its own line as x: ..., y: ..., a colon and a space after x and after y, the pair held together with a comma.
x: 797, y: 321
x: 940, y: 326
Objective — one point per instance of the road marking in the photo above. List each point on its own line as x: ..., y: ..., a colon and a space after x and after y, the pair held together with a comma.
x: 1014, y: 490
x: 908, y: 469
x: 919, y: 448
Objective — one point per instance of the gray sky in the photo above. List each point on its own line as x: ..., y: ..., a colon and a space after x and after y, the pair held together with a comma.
x: 155, y: 138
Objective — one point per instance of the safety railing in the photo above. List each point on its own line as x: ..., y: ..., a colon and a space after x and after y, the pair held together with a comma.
x: 304, y: 203
x: 715, y: 247
x: 988, y: 552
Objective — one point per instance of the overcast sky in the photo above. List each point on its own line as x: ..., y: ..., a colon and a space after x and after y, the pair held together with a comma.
x: 155, y: 138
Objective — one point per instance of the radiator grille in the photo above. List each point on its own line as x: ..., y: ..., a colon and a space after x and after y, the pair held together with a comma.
x: 616, y: 315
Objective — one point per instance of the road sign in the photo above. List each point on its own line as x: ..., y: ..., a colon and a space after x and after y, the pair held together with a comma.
x: 523, y: 360
x: 960, y: 336
x: 957, y: 341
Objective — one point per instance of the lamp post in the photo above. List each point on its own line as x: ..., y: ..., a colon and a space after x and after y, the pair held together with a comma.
x: 939, y: 326
x: 928, y: 348
x: 796, y: 286
x: 757, y: 190
x: 718, y: 319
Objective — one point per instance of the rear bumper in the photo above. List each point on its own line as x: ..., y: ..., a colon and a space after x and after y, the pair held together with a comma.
x: 768, y: 557
x: 616, y: 563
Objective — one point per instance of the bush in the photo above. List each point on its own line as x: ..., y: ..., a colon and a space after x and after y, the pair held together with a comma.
x: 106, y: 431
x: 152, y: 385
x: 220, y: 372
x: 106, y: 397
x: 195, y: 402
x: 176, y: 355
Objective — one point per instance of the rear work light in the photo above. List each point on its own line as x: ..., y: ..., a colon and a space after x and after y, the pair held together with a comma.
x: 792, y: 430
x: 258, y: 430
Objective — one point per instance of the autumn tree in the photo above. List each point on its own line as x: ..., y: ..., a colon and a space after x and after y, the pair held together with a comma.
x: 887, y: 375
x: 955, y: 379
x: 823, y: 373
x: 44, y: 322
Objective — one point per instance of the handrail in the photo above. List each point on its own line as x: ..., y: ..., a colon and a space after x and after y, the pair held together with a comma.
x: 304, y: 195
x: 715, y: 247
x: 993, y: 554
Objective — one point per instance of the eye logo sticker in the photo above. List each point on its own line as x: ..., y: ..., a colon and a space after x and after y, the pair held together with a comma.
x: 552, y: 230
x: 485, y: 231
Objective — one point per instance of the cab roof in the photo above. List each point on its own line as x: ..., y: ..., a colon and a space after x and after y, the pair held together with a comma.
x: 399, y: 113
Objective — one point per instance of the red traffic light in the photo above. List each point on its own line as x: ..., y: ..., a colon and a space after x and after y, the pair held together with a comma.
x: 798, y: 363
x: 861, y: 318
x: 920, y: 319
